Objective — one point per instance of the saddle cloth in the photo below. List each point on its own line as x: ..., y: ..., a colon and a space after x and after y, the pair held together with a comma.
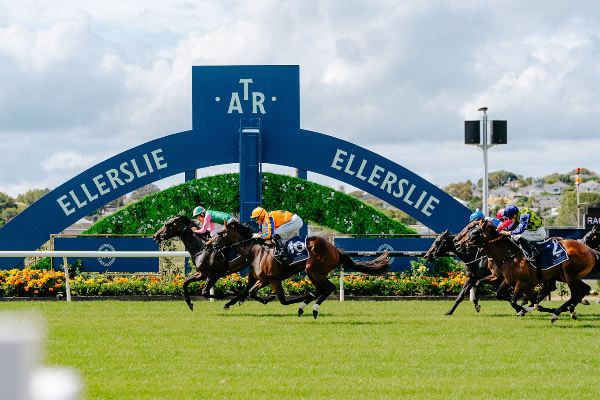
x: 552, y: 253
x: 297, y: 251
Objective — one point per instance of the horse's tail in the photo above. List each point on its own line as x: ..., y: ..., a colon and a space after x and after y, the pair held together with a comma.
x: 378, y: 266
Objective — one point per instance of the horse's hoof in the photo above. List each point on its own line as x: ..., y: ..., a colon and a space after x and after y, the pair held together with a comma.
x: 477, y: 307
x: 521, y: 314
x: 574, y: 315
x: 226, y: 307
x: 191, y: 306
x: 241, y: 302
x: 585, y: 302
x: 448, y: 313
x: 536, y: 307
x: 554, y: 318
x: 300, y: 312
x: 315, y: 314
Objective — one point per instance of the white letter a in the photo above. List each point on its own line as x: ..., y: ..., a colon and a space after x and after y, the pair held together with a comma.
x: 234, y: 104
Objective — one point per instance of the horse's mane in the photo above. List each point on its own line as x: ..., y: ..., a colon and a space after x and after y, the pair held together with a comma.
x: 241, y: 228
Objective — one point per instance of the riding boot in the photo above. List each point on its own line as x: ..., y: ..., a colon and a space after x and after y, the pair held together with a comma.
x: 534, y: 256
x: 280, y: 249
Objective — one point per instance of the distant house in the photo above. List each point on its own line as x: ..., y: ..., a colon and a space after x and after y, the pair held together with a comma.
x: 555, y: 188
x: 548, y: 201
x: 530, y: 190
x: 502, y: 192
x: 513, y: 184
x: 589, y: 187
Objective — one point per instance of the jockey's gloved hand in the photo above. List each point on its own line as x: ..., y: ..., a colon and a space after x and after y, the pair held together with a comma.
x: 256, y: 236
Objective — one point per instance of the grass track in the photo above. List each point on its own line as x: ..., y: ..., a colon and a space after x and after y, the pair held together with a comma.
x: 355, y: 350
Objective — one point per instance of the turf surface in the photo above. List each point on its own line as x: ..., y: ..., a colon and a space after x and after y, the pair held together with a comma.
x: 354, y: 350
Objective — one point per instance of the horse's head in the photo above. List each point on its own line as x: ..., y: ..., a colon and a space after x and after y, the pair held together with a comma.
x: 237, y: 231
x: 592, y: 238
x: 471, y: 239
x: 442, y: 245
x: 174, y: 227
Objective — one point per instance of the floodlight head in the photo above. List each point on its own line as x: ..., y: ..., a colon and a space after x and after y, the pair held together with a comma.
x: 484, y: 109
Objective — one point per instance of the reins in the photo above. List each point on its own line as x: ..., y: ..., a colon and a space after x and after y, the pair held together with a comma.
x: 495, y: 240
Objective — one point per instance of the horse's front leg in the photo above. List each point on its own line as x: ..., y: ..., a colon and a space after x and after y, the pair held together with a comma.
x: 463, y: 292
x: 517, y: 293
x: 186, y: 294
x: 242, y: 294
x: 210, y: 283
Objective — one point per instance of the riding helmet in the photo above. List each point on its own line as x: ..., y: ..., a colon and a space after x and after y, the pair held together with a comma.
x: 199, y: 211
x: 476, y: 214
x: 259, y: 214
x: 510, y: 211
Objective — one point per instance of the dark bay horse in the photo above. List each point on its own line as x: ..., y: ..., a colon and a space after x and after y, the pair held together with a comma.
x: 592, y: 238
x: 181, y: 227
x: 517, y: 271
x: 477, y: 268
x: 266, y: 270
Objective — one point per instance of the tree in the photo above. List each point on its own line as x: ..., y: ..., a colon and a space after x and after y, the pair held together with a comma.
x: 463, y: 191
x: 499, y: 178
x: 567, y: 212
x: 144, y: 191
x: 6, y: 202
x: 31, y: 196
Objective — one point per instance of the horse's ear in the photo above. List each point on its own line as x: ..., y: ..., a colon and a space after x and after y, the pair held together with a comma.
x: 225, y: 223
x: 445, y: 232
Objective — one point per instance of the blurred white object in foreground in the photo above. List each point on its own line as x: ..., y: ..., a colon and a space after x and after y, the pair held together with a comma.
x: 21, y: 377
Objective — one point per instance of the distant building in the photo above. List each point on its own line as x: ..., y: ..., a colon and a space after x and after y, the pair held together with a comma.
x: 502, y: 192
x: 556, y: 188
x: 589, y: 187
x: 530, y: 190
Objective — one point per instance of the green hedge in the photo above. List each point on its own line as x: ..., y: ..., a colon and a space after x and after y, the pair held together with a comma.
x: 313, y: 202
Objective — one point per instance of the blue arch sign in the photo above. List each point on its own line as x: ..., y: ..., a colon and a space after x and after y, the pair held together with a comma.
x: 222, y: 96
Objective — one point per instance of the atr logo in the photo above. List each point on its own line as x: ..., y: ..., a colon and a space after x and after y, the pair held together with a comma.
x: 387, y: 247
x: 106, y: 261
x: 257, y: 103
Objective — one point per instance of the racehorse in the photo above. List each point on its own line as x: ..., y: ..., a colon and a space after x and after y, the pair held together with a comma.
x: 592, y: 238
x: 180, y: 226
x: 517, y: 270
x: 477, y: 268
x: 265, y: 269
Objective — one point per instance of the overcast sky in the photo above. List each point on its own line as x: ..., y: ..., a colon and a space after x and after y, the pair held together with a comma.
x: 83, y: 80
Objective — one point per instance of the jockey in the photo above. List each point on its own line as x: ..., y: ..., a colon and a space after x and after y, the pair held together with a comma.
x: 524, y: 225
x: 205, y: 217
x: 476, y: 214
x: 278, y: 223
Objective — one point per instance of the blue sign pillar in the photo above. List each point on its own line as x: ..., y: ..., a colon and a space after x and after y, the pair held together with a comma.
x: 260, y: 99
x: 250, y: 167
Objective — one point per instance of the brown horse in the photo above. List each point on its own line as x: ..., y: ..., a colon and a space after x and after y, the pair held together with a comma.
x: 181, y: 227
x: 477, y: 267
x: 265, y: 269
x: 517, y: 270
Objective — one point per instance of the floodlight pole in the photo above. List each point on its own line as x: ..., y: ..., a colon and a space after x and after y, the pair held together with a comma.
x: 485, y: 147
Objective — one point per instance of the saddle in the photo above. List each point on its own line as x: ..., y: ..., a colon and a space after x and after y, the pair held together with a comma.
x: 296, y: 251
x: 551, y: 252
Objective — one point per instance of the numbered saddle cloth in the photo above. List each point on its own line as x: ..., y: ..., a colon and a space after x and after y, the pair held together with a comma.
x: 552, y: 253
x: 297, y: 251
